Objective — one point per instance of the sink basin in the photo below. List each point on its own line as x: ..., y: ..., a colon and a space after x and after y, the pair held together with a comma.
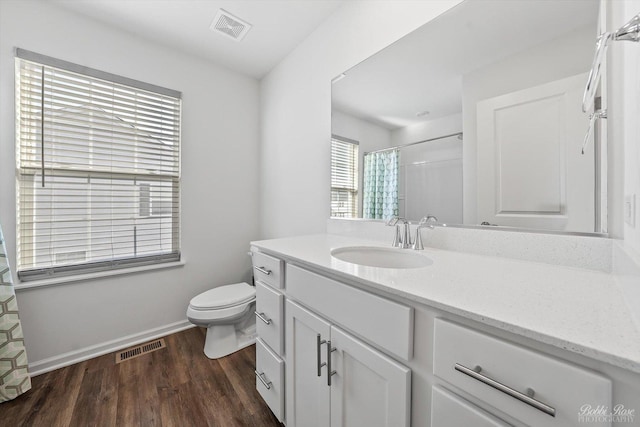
x: 381, y: 257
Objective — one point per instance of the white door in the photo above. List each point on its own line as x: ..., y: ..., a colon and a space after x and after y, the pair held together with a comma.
x: 368, y: 389
x: 307, y: 403
x: 530, y: 170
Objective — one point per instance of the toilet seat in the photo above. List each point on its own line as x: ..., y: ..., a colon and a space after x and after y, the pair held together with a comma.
x: 222, y: 297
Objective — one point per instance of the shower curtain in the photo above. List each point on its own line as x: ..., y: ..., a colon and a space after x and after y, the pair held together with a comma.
x: 14, y: 378
x: 380, y: 185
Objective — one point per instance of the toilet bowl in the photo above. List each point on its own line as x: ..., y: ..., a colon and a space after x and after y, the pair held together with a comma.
x: 227, y: 313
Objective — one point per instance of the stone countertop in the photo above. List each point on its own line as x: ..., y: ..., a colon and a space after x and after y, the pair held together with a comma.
x: 579, y: 310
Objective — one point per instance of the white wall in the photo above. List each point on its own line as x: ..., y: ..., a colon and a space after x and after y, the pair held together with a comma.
x: 371, y: 137
x: 623, y: 123
x: 429, y: 129
x: 296, y: 108
x: 569, y: 56
x: 219, y: 182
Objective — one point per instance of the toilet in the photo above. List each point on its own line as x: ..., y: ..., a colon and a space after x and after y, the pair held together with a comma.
x: 227, y: 313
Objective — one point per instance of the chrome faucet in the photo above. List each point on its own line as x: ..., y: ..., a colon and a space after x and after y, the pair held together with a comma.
x: 428, y: 221
x: 401, y: 240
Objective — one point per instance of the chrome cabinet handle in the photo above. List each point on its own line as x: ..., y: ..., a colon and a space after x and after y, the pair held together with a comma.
x: 263, y: 380
x: 330, y: 372
x: 525, y: 398
x: 319, y: 342
x: 261, y: 317
x: 263, y: 270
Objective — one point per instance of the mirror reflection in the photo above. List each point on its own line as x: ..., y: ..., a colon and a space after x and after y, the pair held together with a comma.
x: 474, y: 118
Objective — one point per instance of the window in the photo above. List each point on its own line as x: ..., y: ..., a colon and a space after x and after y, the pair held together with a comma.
x: 344, y: 177
x: 98, y: 170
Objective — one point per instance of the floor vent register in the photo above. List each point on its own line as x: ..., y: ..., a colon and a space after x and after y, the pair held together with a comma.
x: 139, y: 350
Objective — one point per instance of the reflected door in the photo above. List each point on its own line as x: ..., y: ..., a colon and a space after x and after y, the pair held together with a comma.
x: 531, y: 172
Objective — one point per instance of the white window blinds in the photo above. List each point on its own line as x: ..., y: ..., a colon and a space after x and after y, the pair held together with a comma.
x: 344, y: 177
x: 98, y: 170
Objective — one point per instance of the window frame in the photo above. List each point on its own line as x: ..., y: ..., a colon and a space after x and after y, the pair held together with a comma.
x: 105, y: 264
x: 352, y: 192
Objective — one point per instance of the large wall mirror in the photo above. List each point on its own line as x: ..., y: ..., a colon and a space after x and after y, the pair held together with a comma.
x: 475, y: 118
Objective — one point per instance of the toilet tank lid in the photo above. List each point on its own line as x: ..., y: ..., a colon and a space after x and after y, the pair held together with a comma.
x: 224, y: 296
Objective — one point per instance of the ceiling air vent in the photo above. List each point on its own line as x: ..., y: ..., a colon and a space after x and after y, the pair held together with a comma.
x: 230, y: 26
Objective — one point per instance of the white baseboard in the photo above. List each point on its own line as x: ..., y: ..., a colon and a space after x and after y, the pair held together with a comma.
x: 52, y: 363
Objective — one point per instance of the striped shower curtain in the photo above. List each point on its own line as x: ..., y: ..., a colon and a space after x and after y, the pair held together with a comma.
x: 14, y: 378
x: 380, y: 185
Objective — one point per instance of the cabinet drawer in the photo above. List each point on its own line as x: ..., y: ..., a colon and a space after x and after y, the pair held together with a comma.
x: 561, y: 387
x: 269, y: 316
x: 268, y: 269
x: 386, y: 323
x: 270, y: 378
x: 449, y: 410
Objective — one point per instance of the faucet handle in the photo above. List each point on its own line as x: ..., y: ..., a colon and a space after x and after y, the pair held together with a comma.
x: 394, y: 220
x: 426, y: 222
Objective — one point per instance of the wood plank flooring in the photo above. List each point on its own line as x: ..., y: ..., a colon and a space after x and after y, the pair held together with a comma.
x: 175, y: 386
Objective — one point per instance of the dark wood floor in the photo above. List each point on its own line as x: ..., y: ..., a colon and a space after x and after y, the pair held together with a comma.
x: 174, y: 386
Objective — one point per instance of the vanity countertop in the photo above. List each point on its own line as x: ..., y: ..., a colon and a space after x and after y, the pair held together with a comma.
x: 579, y: 310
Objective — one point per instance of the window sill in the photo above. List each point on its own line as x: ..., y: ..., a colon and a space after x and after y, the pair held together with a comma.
x: 90, y: 276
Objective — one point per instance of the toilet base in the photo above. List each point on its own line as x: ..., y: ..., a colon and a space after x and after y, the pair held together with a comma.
x: 223, y: 340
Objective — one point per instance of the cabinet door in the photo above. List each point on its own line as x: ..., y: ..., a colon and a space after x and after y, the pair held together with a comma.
x: 270, y: 378
x: 449, y: 410
x: 368, y: 389
x: 269, y: 319
x: 307, y: 403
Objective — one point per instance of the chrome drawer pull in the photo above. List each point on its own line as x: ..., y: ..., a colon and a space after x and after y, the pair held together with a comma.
x: 330, y: 373
x: 528, y: 399
x: 261, y: 317
x: 263, y: 270
x: 319, y: 342
x: 263, y: 380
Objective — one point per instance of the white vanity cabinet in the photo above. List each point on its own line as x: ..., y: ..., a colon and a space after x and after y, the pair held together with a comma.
x: 528, y: 386
x: 310, y: 367
x: 270, y: 365
x: 334, y: 379
x: 330, y: 353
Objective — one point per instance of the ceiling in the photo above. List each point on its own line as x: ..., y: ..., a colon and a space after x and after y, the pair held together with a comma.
x: 423, y: 71
x: 278, y: 26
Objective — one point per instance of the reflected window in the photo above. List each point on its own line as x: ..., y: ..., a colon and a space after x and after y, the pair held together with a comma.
x: 344, y: 177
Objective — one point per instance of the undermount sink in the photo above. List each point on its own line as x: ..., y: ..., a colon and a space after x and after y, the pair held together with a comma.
x: 381, y: 257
